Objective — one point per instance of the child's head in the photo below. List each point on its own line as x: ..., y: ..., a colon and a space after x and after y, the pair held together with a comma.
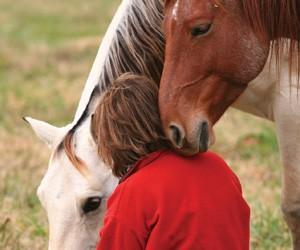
x: 126, y: 124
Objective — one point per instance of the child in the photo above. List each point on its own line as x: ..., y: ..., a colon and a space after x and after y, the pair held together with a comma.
x: 164, y: 201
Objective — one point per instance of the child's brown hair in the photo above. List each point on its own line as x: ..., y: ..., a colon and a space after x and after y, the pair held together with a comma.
x: 126, y: 125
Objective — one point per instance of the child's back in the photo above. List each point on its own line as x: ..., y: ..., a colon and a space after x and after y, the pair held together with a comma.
x: 171, y: 202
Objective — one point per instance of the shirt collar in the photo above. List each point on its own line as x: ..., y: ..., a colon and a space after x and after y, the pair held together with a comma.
x: 142, y: 162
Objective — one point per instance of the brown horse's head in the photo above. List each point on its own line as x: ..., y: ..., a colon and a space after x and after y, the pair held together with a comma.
x: 211, y: 55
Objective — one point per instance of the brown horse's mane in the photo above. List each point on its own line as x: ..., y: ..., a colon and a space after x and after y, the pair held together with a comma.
x: 280, y: 20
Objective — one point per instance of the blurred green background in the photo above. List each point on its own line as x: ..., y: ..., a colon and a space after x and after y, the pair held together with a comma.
x: 46, y: 52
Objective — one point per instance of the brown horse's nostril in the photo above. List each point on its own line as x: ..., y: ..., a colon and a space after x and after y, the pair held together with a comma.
x: 177, y: 136
x: 203, y: 137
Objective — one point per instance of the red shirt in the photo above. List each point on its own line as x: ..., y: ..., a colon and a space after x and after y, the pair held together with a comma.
x: 171, y: 202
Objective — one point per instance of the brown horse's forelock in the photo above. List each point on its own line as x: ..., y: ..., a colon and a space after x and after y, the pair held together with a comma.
x: 280, y: 20
x: 137, y: 47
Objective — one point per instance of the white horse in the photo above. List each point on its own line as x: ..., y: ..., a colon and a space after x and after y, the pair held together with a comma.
x: 73, y: 191
x: 77, y: 184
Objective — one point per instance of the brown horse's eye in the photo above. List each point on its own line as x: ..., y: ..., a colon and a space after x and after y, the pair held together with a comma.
x: 200, y: 29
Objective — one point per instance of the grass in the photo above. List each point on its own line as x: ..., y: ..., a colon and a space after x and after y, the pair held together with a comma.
x: 249, y: 145
x: 46, y: 52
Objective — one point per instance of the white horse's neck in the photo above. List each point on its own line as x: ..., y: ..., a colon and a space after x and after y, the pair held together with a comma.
x: 99, y: 62
x: 133, y: 43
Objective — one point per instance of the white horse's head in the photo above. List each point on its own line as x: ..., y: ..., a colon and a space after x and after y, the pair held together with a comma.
x: 74, y: 202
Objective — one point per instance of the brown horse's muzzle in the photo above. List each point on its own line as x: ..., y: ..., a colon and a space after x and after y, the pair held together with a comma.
x: 188, y: 112
x: 199, y: 140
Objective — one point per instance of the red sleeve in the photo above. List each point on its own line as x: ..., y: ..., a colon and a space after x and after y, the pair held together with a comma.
x: 125, y: 223
x: 238, y: 183
x: 116, y: 235
x: 234, y: 177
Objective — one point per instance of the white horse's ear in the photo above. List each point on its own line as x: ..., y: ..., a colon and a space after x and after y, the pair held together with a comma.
x: 46, y: 132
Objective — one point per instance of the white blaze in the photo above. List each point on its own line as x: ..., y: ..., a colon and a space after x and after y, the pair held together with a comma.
x: 175, y: 10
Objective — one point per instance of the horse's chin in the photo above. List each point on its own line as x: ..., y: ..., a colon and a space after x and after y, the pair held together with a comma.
x: 191, y: 149
x: 187, y: 152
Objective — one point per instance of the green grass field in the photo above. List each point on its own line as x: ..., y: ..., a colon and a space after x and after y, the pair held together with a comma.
x: 46, y: 52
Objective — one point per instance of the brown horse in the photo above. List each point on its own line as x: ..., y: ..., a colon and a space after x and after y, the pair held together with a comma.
x: 213, y: 50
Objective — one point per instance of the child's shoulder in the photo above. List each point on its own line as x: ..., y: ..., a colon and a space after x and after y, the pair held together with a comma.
x: 170, y: 158
x: 169, y: 165
x: 172, y: 173
x: 203, y: 167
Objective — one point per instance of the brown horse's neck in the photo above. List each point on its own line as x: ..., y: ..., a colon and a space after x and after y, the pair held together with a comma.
x: 278, y: 21
x: 278, y: 18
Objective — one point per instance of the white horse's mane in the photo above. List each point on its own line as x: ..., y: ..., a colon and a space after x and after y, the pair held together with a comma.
x: 133, y: 43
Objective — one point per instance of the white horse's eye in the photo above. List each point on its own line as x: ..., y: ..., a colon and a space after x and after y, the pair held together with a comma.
x: 91, y: 204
